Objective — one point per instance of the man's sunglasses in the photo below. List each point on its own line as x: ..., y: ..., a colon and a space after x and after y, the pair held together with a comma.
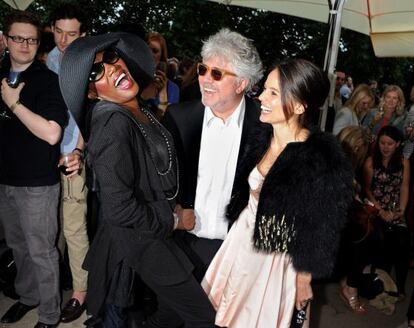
x: 98, y: 69
x: 216, y: 73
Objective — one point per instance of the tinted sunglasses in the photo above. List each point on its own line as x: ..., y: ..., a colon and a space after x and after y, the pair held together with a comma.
x: 216, y: 73
x: 98, y: 69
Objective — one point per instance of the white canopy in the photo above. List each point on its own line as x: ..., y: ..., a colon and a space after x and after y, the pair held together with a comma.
x: 389, y: 23
x: 19, y: 4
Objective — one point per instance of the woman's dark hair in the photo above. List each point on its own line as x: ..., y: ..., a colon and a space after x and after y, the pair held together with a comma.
x: 395, y: 163
x: 303, y: 82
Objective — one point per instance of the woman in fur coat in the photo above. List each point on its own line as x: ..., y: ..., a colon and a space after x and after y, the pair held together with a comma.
x: 291, y: 202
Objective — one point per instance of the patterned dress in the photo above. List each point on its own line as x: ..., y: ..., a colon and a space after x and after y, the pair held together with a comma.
x: 386, y: 189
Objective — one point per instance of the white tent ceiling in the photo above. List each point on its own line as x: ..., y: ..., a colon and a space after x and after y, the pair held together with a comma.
x: 19, y: 4
x: 389, y: 23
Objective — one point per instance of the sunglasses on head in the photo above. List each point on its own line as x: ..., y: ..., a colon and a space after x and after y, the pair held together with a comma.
x: 216, y: 73
x: 109, y: 56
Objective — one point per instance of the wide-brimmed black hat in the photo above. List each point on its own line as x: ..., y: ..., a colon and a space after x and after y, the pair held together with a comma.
x: 79, y: 57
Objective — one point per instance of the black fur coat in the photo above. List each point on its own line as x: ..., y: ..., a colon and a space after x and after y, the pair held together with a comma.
x: 303, y: 201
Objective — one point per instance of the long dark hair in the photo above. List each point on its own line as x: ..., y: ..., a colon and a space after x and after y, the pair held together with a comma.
x: 395, y: 163
x: 303, y: 82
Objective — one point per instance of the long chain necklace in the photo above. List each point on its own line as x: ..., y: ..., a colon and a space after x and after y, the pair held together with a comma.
x: 166, y: 140
x: 169, y: 149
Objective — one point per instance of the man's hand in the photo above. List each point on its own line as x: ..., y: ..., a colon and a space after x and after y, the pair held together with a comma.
x: 74, y: 165
x: 186, y: 218
x: 10, y: 95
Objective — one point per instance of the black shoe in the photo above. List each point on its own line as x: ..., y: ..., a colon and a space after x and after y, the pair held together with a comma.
x: 93, y: 322
x: 45, y: 325
x: 16, y: 312
x: 72, y: 310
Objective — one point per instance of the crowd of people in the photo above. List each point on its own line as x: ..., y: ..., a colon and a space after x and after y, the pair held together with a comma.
x: 219, y: 202
x: 376, y: 132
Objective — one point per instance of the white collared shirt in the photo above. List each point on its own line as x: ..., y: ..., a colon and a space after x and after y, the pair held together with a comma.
x: 219, y: 150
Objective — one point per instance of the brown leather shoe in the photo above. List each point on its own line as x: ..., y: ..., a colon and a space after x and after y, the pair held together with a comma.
x: 72, y: 310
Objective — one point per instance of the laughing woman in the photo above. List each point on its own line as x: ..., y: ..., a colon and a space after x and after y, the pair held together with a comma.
x: 133, y: 159
x: 293, y: 191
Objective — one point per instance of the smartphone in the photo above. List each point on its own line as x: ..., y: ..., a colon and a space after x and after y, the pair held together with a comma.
x: 162, y: 66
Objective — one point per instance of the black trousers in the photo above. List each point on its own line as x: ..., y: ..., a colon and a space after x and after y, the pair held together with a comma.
x: 360, y: 253
x: 395, y: 249
x: 201, y: 252
x: 410, y: 312
x: 185, y: 302
x: 180, y: 304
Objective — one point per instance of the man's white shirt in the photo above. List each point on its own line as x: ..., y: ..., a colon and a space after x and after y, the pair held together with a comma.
x: 219, y: 151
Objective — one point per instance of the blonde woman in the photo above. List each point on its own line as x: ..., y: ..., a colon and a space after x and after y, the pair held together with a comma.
x: 354, y: 109
x: 391, y: 111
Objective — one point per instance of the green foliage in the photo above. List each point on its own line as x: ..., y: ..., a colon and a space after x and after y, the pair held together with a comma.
x: 186, y: 23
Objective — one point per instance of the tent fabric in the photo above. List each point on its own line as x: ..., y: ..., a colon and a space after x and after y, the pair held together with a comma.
x: 19, y: 4
x: 390, y: 23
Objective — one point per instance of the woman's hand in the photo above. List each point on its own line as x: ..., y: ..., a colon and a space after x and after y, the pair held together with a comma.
x: 398, y: 214
x: 160, y: 80
x: 304, y: 292
x: 156, y: 85
x: 387, y: 216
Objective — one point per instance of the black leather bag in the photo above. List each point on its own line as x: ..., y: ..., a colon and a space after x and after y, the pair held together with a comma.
x: 299, y: 317
x: 370, y: 285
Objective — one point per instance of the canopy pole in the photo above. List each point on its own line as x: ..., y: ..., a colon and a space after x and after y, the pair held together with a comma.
x: 331, y: 55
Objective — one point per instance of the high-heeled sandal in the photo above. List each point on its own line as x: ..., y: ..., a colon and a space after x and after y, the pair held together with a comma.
x: 352, y: 302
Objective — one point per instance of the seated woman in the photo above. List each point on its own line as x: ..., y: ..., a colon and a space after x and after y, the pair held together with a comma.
x: 133, y: 159
x: 390, y: 111
x: 355, y: 109
x: 294, y: 189
x: 386, y: 181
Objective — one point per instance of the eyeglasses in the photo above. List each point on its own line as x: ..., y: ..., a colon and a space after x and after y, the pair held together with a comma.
x: 98, y: 69
x: 20, y: 39
x: 216, y: 73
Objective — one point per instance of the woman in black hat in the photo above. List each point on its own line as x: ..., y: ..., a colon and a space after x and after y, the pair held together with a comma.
x: 134, y: 163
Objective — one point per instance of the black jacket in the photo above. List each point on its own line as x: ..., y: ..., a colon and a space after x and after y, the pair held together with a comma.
x: 136, y: 218
x: 303, y: 201
x: 185, y: 123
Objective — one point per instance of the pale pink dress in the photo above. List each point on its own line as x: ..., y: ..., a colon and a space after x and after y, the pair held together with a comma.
x: 248, y: 288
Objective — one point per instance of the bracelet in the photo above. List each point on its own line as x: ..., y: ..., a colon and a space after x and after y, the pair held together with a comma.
x: 176, y: 219
x: 163, y: 103
x: 13, y: 107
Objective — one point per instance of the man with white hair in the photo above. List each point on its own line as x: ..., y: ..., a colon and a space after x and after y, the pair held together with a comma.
x: 210, y: 137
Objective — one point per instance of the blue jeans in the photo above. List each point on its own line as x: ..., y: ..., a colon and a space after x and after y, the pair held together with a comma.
x: 30, y: 219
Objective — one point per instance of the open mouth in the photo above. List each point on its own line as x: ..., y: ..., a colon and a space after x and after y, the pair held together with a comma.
x: 122, y: 81
x: 265, y: 109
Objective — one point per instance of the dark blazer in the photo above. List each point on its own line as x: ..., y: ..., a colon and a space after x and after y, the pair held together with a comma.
x: 136, y: 218
x: 185, y: 123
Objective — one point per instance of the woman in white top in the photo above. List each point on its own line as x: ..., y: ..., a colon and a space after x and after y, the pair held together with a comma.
x: 354, y: 109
